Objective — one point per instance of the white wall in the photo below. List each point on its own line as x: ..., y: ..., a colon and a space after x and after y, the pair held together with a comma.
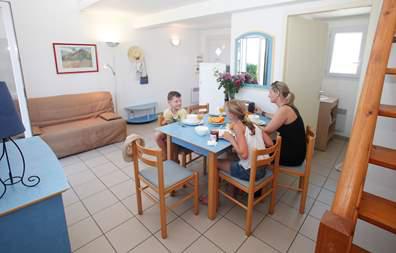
x: 5, y: 60
x: 346, y: 89
x: 213, y: 38
x: 273, y: 21
x: 305, y: 59
x: 2, y: 28
x: 168, y: 67
x: 40, y: 23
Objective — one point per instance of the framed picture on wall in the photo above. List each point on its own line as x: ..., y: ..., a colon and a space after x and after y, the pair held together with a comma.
x: 75, y: 58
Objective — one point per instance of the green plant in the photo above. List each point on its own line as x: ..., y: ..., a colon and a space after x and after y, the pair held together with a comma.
x: 252, y: 70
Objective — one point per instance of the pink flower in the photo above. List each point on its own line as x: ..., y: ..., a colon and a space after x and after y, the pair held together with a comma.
x: 227, y: 76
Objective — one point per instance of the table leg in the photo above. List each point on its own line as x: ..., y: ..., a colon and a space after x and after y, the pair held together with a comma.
x: 212, y: 185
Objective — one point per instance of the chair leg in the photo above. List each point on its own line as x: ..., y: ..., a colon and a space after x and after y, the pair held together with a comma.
x: 138, y: 196
x: 196, y: 193
x: 301, y: 182
x: 303, y: 194
x: 273, y: 198
x: 249, y: 214
x: 205, y: 166
x: 164, y: 232
x: 183, y: 160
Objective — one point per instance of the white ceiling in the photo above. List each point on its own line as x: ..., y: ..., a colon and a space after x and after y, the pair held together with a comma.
x: 339, y: 13
x: 206, y: 22
x: 139, y: 7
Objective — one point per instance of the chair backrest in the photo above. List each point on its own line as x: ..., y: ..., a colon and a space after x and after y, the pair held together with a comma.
x: 198, y: 108
x: 149, y: 156
x: 265, y: 157
x: 161, y: 120
x: 310, y: 140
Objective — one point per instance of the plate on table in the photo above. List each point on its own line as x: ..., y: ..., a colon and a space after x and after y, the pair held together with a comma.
x: 192, y: 123
x: 216, y: 124
x: 260, y: 122
x: 217, y: 114
x: 219, y: 120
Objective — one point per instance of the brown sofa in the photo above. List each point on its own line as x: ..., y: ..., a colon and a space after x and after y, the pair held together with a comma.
x: 72, y: 124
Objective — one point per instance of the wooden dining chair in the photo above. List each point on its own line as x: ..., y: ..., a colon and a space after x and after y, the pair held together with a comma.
x: 303, y: 171
x: 163, y: 177
x: 204, y: 109
x: 185, y: 155
x: 268, y: 158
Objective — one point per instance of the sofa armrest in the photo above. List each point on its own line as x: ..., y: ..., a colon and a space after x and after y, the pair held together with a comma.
x: 109, y: 116
x: 36, y: 130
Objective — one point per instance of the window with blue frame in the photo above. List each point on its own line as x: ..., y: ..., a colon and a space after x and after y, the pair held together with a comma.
x: 254, y: 56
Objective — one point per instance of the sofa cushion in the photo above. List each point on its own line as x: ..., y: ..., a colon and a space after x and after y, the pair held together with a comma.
x: 36, y: 130
x: 109, y: 116
x: 78, y: 136
x: 54, y: 110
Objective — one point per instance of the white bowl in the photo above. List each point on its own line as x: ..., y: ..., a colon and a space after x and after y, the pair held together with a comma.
x: 192, y: 117
x: 254, y: 117
x: 202, y: 130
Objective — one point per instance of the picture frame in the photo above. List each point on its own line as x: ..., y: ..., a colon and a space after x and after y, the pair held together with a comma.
x: 72, y: 58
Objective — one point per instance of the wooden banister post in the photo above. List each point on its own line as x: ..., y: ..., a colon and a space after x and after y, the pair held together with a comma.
x: 335, y: 234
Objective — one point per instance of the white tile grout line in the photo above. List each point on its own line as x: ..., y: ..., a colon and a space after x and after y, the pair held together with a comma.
x: 180, y: 216
x: 316, y: 199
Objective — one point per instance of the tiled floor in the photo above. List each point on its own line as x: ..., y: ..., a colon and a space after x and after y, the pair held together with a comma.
x: 102, y: 217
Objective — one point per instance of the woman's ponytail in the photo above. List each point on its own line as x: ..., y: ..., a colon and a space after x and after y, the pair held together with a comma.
x: 290, y: 98
x: 282, y: 89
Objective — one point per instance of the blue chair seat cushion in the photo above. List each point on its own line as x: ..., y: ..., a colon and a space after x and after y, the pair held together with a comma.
x: 300, y: 168
x: 173, y: 173
x: 245, y: 182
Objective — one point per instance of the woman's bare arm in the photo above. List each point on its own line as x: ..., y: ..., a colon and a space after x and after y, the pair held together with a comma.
x: 267, y: 139
x: 279, y: 118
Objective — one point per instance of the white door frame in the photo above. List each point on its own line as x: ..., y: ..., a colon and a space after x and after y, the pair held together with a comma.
x: 5, y: 9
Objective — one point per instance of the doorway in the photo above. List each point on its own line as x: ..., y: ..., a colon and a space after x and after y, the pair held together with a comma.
x: 323, y: 59
x: 10, y: 67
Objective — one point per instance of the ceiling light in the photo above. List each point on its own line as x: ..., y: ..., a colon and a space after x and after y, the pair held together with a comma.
x: 218, y: 52
x: 175, y: 41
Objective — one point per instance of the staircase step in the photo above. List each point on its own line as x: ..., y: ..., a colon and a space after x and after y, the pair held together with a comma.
x: 387, y: 111
x: 382, y: 156
x: 378, y: 211
x: 357, y: 249
x: 391, y: 71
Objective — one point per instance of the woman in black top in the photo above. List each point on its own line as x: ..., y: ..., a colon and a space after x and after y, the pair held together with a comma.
x: 288, y: 122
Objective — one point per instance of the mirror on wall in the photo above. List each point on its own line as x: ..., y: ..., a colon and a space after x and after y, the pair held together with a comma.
x: 254, y: 56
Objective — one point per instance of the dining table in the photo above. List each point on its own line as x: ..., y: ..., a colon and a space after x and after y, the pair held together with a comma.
x: 184, y: 135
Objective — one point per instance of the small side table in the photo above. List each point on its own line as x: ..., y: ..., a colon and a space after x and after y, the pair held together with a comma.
x: 142, y: 113
x: 326, y: 121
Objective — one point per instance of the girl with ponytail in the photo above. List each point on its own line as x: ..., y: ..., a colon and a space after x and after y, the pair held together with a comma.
x: 288, y: 122
x: 247, y: 137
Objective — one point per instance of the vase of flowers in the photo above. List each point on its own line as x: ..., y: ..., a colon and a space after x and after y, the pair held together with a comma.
x: 232, y: 83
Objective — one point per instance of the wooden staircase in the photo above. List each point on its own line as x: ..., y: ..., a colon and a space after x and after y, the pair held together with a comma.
x: 337, y: 226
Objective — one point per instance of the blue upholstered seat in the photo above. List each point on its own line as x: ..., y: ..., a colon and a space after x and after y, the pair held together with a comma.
x: 300, y: 168
x: 173, y: 173
x: 246, y: 183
